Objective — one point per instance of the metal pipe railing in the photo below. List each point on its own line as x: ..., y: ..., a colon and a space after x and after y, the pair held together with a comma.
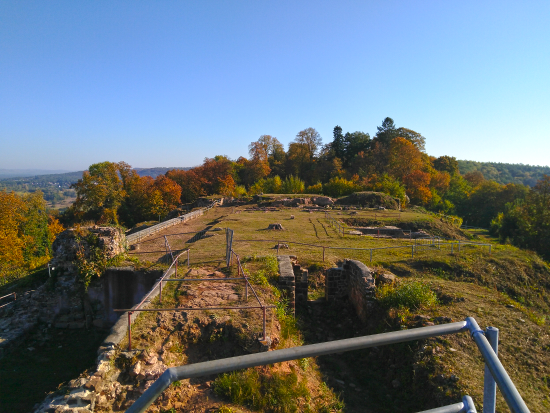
x: 505, y: 384
x: 9, y: 295
x: 509, y: 391
x: 466, y: 406
x: 293, y: 353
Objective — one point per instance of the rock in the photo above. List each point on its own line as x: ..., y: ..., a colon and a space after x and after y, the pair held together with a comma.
x: 292, y: 217
x: 387, y: 278
x: 94, y: 384
x: 136, y: 369
x: 322, y: 201
x: 275, y: 226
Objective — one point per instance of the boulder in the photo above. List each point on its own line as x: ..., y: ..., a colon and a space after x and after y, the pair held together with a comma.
x: 322, y: 201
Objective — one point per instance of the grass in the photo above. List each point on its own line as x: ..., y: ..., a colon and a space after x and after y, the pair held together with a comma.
x: 412, y: 295
x: 507, y: 289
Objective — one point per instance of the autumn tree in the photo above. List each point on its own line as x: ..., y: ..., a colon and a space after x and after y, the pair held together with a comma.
x: 192, y: 183
x: 447, y: 164
x: 100, y: 192
x: 311, y: 140
x: 404, y: 158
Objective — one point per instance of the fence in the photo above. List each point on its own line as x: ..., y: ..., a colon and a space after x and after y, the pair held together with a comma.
x: 486, y: 341
x: 241, y: 275
x: 11, y: 302
x: 138, y: 236
x: 419, y: 244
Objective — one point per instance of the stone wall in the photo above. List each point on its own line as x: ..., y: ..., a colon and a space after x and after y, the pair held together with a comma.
x: 120, y: 288
x: 293, y: 280
x: 111, y: 241
x: 354, y: 281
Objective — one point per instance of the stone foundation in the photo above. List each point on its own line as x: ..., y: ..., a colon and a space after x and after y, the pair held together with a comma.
x: 354, y: 281
x: 293, y: 280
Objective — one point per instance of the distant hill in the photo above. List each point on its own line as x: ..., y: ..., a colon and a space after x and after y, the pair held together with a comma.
x: 56, y: 187
x: 505, y: 173
x: 14, y: 173
x: 154, y: 172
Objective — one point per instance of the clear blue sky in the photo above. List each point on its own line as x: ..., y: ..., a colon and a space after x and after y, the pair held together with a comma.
x: 167, y: 83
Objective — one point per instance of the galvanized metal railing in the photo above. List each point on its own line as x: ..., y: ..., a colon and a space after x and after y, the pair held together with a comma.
x: 138, y: 236
x: 494, y: 371
x: 9, y: 295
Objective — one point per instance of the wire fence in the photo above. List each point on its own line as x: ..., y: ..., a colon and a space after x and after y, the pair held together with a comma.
x: 416, y: 246
x: 241, y: 275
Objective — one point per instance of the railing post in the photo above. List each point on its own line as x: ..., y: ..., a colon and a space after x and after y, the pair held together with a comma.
x: 371, y: 255
x: 323, y: 254
x: 278, y: 246
x: 452, y: 247
x: 459, y: 246
x: 412, y: 251
x: 160, y: 294
x: 490, y: 249
x: 129, y: 331
x: 176, y: 269
x: 245, y: 287
x: 489, y: 384
x: 265, y: 338
x: 188, y: 260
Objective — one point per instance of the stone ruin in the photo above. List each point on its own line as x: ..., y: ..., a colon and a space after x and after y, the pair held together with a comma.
x: 276, y: 226
x: 354, y: 281
x: 69, y: 307
x: 111, y: 241
x: 293, y: 280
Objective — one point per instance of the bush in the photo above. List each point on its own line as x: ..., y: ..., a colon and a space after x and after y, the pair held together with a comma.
x: 315, y: 189
x: 293, y: 185
x: 337, y: 187
x: 411, y: 295
x: 278, y: 392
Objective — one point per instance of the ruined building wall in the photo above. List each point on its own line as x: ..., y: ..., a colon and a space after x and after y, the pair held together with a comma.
x: 353, y: 280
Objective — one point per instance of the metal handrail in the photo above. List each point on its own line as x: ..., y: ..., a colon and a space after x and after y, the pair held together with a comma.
x: 9, y: 295
x: 509, y: 391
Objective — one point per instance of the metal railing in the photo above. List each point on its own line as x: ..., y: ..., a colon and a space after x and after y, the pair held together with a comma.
x: 420, y: 244
x: 6, y: 296
x: 241, y: 275
x: 138, y: 236
x: 494, y: 371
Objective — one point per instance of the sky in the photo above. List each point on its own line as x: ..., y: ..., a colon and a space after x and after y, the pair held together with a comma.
x: 168, y: 83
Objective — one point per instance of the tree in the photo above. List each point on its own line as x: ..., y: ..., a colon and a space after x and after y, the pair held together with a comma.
x: 192, y: 183
x: 404, y: 158
x: 386, y: 133
x: 354, y: 143
x: 100, y: 192
x: 311, y: 139
x: 338, y: 145
x: 417, y: 183
x: 413, y: 137
x: 446, y: 164
x: 475, y: 178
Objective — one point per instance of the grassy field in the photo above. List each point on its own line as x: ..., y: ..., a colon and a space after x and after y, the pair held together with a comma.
x: 507, y: 288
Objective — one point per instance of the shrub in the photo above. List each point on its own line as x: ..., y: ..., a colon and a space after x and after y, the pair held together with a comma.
x: 278, y: 392
x: 411, y: 295
x: 338, y: 187
x: 315, y: 189
x: 293, y: 185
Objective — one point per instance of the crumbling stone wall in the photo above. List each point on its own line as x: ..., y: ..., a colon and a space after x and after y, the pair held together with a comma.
x: 110, y: 240
x: 353, y: 280
x: 293, y: 280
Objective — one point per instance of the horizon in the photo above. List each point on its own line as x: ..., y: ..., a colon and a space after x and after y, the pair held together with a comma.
x: 173, y: 83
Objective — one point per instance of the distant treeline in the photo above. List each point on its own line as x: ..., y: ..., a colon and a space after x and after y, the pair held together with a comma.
x: 506, y: 173
x: 57, y: 187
